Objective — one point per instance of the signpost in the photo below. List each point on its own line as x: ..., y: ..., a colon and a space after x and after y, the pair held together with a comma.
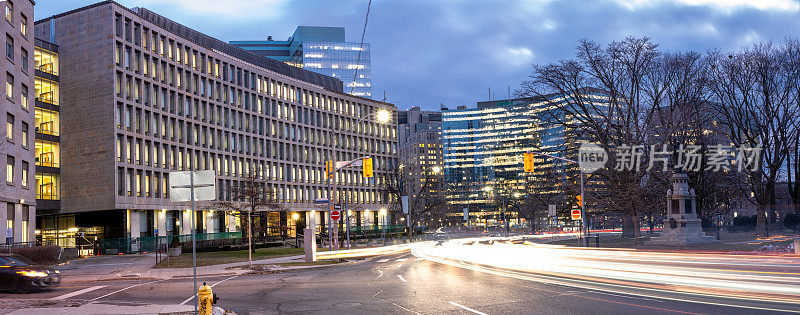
x: 193, y: 186
x: 576, y: 214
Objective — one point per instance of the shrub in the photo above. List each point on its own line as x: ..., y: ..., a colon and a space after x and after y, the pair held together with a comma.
x: 791, y: 220
x: 744, y: 221
x: 43, y: 255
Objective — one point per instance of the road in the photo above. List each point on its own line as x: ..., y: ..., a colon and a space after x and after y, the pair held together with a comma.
x: 394, y: 284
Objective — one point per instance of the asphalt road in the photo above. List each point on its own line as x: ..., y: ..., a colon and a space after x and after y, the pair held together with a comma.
x: 393, y: 284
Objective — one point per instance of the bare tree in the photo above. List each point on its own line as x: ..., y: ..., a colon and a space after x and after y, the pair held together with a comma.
x: 251, y: 195
x: 755, y: 91
x: 422, y: 185
x: 610, y: 102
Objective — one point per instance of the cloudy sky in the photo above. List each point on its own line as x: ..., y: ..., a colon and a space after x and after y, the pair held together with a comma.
x: 427, y: 52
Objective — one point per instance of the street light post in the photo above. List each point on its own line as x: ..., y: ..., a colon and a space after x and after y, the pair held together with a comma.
x: 383, y: 116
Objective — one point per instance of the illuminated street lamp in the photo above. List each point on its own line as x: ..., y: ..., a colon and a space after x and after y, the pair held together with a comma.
x: 382, y: 116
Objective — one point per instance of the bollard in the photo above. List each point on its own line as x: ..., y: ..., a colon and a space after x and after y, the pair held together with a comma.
x: 597, y: 241
x: 206, y: 300
x: 797, y: 245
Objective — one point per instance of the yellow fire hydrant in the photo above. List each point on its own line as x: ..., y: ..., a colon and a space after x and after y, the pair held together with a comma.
x: 206, y: 300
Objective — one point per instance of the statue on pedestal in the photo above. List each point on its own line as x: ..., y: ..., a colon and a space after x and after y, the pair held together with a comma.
x: 682, y: 226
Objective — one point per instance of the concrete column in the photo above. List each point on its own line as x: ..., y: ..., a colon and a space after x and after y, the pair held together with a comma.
x: 31, y: 223
x: 18, y: 232
x: 161, y: 222
x: 186, y: 222
x: 135, y: 222
x: 231, y: 219
x: 208, y: 218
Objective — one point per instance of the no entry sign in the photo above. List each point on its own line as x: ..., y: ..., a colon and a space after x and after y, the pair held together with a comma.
x: 335, y: 215
x: 576, y: 214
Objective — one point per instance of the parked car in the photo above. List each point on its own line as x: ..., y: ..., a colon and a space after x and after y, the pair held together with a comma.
x: 20, y: 275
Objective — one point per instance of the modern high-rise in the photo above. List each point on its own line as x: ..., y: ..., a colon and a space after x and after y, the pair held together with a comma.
x: 484, y: 148
x: 142, y: 96
x: 18, y: 193
x: 322, y: 50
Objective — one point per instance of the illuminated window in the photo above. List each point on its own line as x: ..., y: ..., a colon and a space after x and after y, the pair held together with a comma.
x: 47, y: 186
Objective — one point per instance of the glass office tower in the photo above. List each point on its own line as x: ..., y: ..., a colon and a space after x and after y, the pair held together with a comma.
x: 483, y: 151
x: 322, y: 50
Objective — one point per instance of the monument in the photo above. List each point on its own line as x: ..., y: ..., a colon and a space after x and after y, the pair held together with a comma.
x: 682, y: 226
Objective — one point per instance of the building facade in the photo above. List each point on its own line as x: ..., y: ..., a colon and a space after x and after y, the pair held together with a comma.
x: 483, y: 156
x: 142, y: 96
x: 18, y: 194
x: 48, y: 148
x: 322, y: 50
x: 420, y: 155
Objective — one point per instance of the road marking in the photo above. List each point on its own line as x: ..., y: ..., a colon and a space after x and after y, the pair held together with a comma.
x: 401, y: 278
x: 402, y: 259
x: 79, y: 292
x: 624, y: 296
x: 221, y: 281
x: 383, y: 260
x: 123, y: 289
x: 467, y: 308
x: 419, y: 259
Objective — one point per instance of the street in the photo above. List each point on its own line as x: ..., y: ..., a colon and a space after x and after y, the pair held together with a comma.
x: 399, y: 283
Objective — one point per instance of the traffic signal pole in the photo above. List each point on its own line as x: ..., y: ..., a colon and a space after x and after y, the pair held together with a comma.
x: 584, y: 226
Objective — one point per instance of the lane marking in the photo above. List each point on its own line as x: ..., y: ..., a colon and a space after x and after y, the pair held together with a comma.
x: 401, y: 278
x: 123, y: 289
x: 419, y: 259
x: 402, y: 259
x: 467, y: 308
x: 79, y: 292
x: 400, y: 265
x: 383, y: 260
x: 193, y: 296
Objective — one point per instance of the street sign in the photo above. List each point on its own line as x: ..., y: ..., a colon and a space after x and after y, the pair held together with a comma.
x: 551, y: 210
x: 321, y: 201
x: 337, y: 206
x: 335, y: 215
x: 204, y: 183
x: 466, y: 214
x: 404, y: 201
x: 576, y: 214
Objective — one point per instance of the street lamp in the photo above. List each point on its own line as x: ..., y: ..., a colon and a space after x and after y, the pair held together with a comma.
x: 382, y: 116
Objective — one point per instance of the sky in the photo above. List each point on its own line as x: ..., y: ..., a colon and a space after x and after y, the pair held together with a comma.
x: 452, y: 52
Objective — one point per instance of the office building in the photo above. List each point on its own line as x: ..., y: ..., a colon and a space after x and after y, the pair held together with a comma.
x: 322, y: 50
x: 142, y: 96
x: 420, y: 153
x: 48, y: 149
x: 18, y: 194
x: 483, y: 155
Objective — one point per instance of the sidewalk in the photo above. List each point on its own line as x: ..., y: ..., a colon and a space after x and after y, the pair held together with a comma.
x: 216, y: 270
x: 143, y: 269
x: 114, y: 308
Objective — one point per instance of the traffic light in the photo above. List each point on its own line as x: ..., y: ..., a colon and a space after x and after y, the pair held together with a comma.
x: 329, y: 169
x: 528, y: 157
x: 367, y: 167
x: 580, y: 200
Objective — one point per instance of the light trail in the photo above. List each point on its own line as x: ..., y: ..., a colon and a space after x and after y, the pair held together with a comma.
x: 752, y: 281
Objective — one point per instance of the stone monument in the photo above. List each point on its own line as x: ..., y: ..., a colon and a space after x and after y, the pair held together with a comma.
x: 682, y: 226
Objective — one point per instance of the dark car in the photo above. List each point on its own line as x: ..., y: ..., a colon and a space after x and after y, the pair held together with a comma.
x: 19, y: 274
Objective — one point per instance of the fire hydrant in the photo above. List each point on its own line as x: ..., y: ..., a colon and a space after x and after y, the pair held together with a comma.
x: 206, y: 300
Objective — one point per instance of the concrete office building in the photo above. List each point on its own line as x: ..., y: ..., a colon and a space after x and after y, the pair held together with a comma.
x: 18, y: 194
x: 420, y: 151
x: 322, y: 50
x: 142, y: 96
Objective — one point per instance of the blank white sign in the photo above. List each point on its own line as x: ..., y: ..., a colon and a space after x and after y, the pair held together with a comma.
x: 201, y: 178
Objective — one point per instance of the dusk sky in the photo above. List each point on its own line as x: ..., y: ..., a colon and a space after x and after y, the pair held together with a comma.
x: 429, y: 52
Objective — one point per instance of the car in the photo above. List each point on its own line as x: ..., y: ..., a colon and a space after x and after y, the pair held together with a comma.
x: 20, y: 275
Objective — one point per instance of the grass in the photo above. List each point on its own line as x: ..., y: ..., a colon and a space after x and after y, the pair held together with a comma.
x: 730, y: 242
x: 224, y: 257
